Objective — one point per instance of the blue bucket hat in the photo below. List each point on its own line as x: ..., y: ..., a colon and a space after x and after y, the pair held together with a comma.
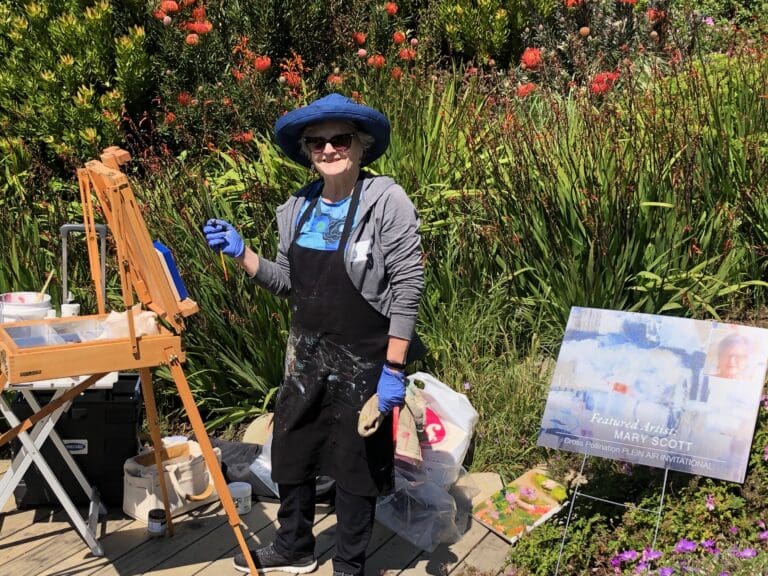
x: 290, y: 127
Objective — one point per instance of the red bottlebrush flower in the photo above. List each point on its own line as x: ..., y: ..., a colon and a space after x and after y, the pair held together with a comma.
x: 262, y: 63
x: 407, y: 54
x: 292, y: 79
x: 603, y: 82
x: 391, y: 8
x: 526, y: 89
x: 237, y: 74
x: 198, y: 13
x: 170, y: 117
x: 376, y: 61
x: 531, y: 59
x: 243, y: 137
x: 358, y: 38
x: 655, y: 15
x: 184, y: 99
x: 192, y: 39
x: 335, y: 79
x: 396, y: 72
x: 398, y: 37
x: 169, y: 6
x: 573, y: 3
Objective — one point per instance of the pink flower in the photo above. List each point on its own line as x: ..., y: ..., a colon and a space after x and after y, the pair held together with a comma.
x: 709, y: 502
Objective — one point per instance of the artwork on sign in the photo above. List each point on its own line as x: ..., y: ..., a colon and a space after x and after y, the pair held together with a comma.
x: 655, y: 390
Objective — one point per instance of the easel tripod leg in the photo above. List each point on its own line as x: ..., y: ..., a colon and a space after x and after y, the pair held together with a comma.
x: 148, y: 392
x: 201, y: 435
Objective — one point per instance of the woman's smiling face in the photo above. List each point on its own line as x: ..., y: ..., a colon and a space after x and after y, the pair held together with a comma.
x: 332, y: 161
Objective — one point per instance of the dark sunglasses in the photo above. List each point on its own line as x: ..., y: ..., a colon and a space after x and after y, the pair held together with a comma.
x: 340, y: 142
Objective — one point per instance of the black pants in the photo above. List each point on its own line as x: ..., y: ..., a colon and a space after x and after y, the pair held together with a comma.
x: 354, y: 522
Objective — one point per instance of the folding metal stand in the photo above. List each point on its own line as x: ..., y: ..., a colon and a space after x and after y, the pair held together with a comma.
x: 31, y: 444
x: 576, y: 494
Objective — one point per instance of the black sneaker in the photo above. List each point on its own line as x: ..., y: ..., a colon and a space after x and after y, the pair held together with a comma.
x: 267, y: 559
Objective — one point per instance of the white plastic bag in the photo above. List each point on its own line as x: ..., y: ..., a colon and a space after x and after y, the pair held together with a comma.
x: 449, y: 422
x: 262, y: 466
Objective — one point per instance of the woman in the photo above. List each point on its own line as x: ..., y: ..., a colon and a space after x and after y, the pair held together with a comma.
x: 349, y: 260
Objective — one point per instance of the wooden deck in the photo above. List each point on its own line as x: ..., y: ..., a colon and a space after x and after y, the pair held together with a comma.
x: 41, y: 542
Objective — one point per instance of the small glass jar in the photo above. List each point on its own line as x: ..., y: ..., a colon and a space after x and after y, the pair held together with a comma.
x: 156, y: 522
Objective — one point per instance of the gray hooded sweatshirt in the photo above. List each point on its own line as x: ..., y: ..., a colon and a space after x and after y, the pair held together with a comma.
x: 382, y: 256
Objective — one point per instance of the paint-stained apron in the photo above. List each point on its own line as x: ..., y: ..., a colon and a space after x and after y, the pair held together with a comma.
x: 336, y: 349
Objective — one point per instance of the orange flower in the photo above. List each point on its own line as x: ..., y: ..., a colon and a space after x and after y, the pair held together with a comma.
x: 531, y: 59
x: 226, y: 101
x: 237, y: 74
x: 192, y: 39
x: 655, y: 15
x: 158, y: 14
x: 335, y: 79
x: 169, y: 6
x: 199, y: 27
x: 602, y: 82
x: 526, y: 89
x: 358, y: 38
x: 376, y: 61
x: 262, y: 63
x: 170, y: 117
x: 407, y: 54
x: 291, y: 78
x: 398, y: 37
x: 243, y: 137
x: 198, y: 13
x: 184, y: 99
x: 396, y: 72
x: 391, y: 8
x: 573, y: 3
x: 628, y: 2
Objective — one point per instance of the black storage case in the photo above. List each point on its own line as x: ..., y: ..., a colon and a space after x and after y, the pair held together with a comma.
x: 100, y: 430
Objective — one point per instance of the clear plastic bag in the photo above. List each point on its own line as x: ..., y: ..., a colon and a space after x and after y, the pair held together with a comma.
x: 419, y: 510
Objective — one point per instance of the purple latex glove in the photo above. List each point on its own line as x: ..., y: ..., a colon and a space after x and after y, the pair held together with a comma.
x: 391, y: 389
x: 222, y: 237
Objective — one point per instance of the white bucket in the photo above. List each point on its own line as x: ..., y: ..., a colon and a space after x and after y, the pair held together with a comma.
x: 241, y: 495
x: 15, y: 306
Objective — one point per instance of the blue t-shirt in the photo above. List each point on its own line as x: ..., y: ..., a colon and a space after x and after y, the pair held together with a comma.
x: 323, y: 228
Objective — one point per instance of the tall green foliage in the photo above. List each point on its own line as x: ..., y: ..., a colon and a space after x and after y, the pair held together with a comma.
x: 58, y: 87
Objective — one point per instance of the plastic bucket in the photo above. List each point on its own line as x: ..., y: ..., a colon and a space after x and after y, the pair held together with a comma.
x: 16, y: 306
x: 241, y: 495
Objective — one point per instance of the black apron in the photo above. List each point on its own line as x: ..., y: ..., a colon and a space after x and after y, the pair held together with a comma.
x: 336, y: 349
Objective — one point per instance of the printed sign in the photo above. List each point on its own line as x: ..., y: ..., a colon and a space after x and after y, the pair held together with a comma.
x: 655, y: 390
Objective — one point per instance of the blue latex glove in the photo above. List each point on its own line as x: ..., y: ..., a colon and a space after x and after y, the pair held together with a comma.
x: 391, y: 389
x: 222, y: 237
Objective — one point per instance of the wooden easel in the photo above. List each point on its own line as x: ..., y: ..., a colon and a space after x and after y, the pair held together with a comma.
x: 141, y: 273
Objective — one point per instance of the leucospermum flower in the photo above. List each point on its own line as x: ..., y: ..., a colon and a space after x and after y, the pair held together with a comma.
x: 531, y: 59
